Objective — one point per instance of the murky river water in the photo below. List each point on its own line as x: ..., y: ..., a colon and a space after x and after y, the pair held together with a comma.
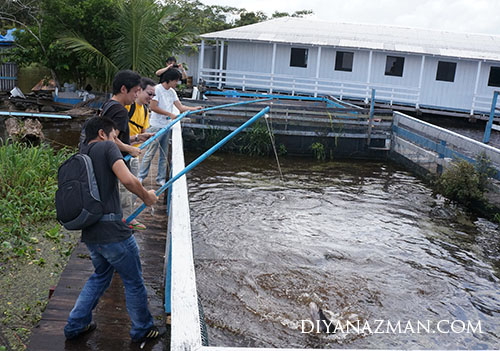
x: 367, y: 241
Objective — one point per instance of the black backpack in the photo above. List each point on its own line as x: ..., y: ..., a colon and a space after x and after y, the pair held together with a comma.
x: 78, y: 202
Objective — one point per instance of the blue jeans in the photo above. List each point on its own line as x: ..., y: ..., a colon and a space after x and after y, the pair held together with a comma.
x: 123, y: 257
x: 162, y: 142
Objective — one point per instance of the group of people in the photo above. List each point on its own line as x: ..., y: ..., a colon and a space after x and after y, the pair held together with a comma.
x: 124, y: 123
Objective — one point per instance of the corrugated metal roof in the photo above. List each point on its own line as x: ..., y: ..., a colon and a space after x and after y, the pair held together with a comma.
x: 366, y: 36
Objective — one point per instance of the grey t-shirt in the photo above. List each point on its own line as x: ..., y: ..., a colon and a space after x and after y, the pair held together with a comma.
x: 104, y: 154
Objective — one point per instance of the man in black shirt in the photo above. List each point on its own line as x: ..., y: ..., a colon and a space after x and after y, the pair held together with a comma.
x: 110, y: 241
x: 126, y: 86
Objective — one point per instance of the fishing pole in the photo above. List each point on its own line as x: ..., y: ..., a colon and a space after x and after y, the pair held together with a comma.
x: 187, y: 113
x: 200, y: 159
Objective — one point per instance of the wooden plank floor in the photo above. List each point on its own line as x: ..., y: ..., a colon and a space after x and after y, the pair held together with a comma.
x: 113, y: 323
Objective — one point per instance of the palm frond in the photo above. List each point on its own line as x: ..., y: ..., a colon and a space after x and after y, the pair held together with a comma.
x: 88, y: 53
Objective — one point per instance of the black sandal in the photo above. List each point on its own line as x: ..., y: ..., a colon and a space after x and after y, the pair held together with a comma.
x: 153, y: 333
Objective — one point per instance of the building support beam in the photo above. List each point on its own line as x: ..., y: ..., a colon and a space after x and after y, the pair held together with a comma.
x: 476, y: 86
x: 201, y: 56
x: 273, y: 64
x: 368, y: 76
x: 420, y: 78
x: 318, y: 62
x: 221, y: 63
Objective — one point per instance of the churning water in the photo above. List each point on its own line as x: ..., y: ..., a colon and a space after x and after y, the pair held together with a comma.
x: 366, y: 241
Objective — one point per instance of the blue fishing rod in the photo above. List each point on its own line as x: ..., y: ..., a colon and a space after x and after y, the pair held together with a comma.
x: 200, y: 159
x: 187, y: 113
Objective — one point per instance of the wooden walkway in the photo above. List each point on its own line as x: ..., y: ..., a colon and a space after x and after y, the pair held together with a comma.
x: 113, y: 323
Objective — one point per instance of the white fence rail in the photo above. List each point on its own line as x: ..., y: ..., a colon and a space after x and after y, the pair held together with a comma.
x: 185, y: 331
x: 319, y: 86
x: 482, y: 103
x: 296, y: 85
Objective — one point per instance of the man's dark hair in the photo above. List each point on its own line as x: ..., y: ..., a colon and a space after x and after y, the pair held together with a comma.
x: 95, y: 124
x: 126, y: 78
x: 169, y: 75
x: 171, y: 59
x: 145, y: 82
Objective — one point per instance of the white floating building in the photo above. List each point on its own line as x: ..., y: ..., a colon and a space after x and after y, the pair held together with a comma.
x: 434, y: 71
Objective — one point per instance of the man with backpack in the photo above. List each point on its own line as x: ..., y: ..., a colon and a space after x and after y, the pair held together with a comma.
x: 110, y: 241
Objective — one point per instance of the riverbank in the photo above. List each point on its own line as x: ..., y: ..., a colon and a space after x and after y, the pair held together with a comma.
x: 26, y: 282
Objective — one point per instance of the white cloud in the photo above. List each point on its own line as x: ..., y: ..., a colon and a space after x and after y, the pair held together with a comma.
x: 472, y: 16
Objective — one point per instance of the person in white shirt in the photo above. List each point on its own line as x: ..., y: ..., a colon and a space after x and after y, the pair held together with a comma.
x: 162, y: 107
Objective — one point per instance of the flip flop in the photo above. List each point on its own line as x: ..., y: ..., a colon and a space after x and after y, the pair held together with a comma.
x: 137, y: 226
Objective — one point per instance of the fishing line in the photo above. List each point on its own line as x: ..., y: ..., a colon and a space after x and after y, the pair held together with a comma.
x: 271, y: 136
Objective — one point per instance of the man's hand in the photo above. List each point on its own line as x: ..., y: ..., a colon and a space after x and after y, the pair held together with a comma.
x: 144, y: 136
x: 150, y: 198
x: 134, y: 151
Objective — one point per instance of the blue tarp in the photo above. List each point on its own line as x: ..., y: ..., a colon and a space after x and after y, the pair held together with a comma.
x: 7, y: 39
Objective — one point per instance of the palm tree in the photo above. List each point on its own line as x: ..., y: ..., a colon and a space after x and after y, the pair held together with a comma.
x: 142, y: 42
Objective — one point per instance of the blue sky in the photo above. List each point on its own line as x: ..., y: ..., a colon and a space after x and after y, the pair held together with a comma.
x: 470, y: 16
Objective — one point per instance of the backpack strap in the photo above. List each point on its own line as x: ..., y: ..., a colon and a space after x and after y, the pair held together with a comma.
x: 135, y: 124
x: 132, y: 110
x: 131, y: 113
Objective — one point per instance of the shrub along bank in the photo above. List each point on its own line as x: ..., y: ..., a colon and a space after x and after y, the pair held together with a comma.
x: 33, y: 247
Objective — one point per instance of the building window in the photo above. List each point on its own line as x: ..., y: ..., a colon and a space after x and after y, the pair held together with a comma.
x: 298, y: 57
x: 394, y: 66
x: 446, y: 71
x: 343, y: 61
x: 494, y: 80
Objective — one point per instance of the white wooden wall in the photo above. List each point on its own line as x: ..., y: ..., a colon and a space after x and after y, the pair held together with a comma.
x: 247, y: 58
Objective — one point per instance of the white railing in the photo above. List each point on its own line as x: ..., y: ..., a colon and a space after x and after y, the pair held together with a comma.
x: 185, y: 331
x: 279, y: 82
x: 482, y: 103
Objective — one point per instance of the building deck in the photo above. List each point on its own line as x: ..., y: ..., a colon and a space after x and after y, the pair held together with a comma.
x: 113, y: 323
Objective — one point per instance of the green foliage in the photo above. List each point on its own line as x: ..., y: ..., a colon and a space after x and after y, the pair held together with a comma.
x: 28, y: 181
x: 466, y: 183
x: 141, y: 40
x: 282, y: 151
x: 43, y: 21
x: 256, y: 141
x: 92, y: 39
x: 484, y: 170
x: 319, y: 151
x: 496, y: 218
x: 247, y: 18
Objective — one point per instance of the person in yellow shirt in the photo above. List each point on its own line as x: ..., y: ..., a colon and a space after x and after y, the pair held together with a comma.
x: 139, y: 110
x: 138, y: 123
